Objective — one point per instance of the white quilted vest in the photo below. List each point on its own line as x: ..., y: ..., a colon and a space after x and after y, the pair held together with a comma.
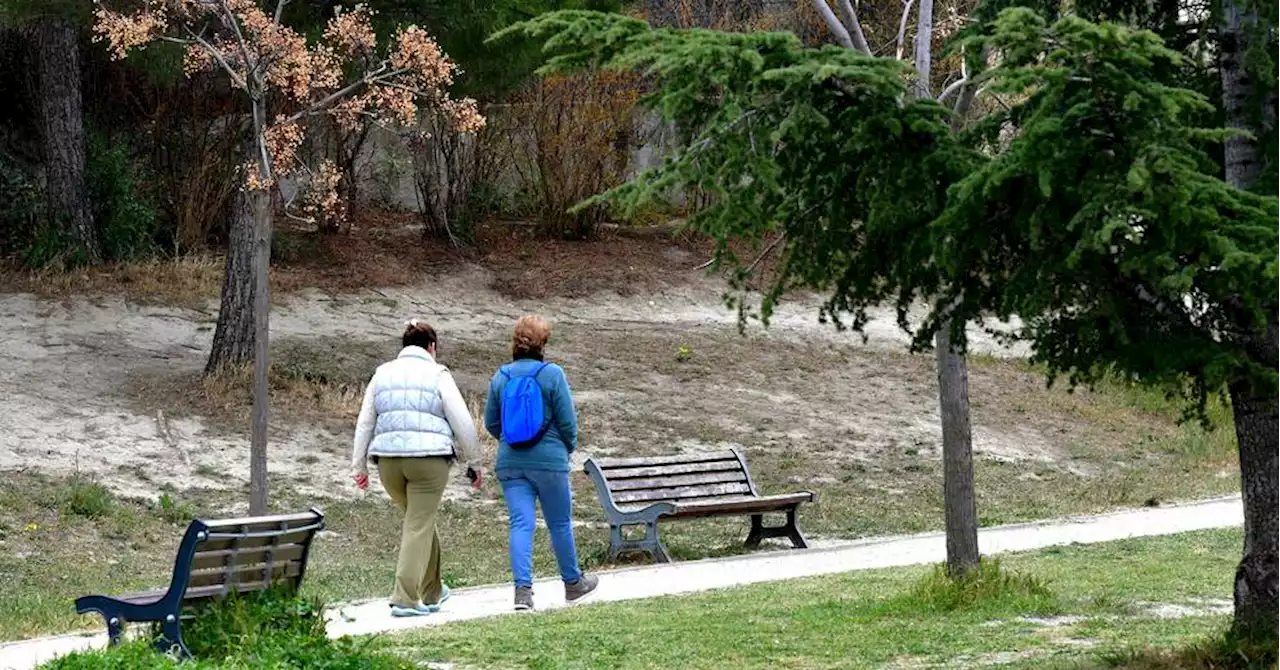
x: 411, y: 420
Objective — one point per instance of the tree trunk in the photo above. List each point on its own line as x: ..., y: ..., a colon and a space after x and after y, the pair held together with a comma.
x: 1244, y: 109
x: 233, y: 337
x: 62, y: 135
x: 957, y: 457
x: 1254, y: 409
x: 261, y: 352
x: 924, y: 49
x: 243, y: 318
x: 1256, y: 417
x: 960, y: 507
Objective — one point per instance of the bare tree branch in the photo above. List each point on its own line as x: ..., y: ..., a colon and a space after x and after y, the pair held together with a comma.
x: 217, y: 56
x: 234, y: 24
x: 959, y: 84
x: 280, y: 10
x: 952, y: 88
x: 833, y: 24
x: 369, y: 78
x: 859, y: 39
x: 772, y: 245
x: 902, y: 29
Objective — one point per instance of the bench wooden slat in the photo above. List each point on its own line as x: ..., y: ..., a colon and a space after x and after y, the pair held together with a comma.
x: 677, y: 480
x: 680, y: 492
x: 675, y: 469
x: 218, y: 558
x: 263, y: 540
x: 697, y: 457
x: 258, y: 523
x: 255, y: 573
x: 746, y: 504
x: 217, y: 590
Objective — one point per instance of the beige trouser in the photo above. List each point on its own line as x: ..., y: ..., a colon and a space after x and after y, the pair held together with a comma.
x: 416, y: 486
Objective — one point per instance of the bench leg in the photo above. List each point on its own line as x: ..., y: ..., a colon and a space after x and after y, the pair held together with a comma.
x: 790, y: 530
x: 170, y: 641
x: 654, y: 544
x: 650, y: 543
x: 115, y: 628
x: 757, y: 531
x: 793, y: 530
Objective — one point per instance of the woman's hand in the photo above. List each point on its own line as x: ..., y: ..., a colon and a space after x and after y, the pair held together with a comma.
x: 362, y: 480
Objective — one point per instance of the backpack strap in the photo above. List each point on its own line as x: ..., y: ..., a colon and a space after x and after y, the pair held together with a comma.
x: 503, y: 371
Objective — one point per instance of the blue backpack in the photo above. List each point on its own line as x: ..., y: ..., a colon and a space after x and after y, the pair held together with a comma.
x: 524, y: 419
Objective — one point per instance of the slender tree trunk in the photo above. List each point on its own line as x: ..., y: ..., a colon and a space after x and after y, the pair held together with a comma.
x: 62, y: 134
x: 261, y: 353
x: 261, y: 315
x: 960, y: 506
x: 961, y: 509
x: 924, y: 49
x: 1254, y: 409
x: 242, y: 333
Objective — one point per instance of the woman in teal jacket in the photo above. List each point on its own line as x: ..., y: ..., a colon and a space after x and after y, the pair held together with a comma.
x: 538, y: 472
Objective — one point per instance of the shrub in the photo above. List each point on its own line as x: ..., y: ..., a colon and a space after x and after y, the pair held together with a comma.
x: 20, y: 205
x: 172, y: 510
x: 273, y: 629
x: 579, y: 132
x: 448, y: 168
x: 125, y: 216
x: 83, y: 497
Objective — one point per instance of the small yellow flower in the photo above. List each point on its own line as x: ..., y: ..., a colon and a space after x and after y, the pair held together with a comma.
x: 32, y: 527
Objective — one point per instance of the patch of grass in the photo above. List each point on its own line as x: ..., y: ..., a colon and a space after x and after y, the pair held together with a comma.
x: 987, y: 586
x: 82, y: 496
x: 897, y: 617
x: 1223, y: 651
x: 172, y: 510
x: 263, y: 630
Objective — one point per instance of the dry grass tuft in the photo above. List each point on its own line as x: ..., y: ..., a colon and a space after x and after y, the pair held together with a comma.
x: 186, y: 281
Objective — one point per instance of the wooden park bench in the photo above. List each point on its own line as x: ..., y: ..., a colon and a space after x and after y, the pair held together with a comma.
x: 640, y: 491
x: 216, y: 558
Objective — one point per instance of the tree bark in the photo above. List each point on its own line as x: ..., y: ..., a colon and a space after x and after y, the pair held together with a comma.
x: 63, y: 137
x: 1254, y: 409
x: 261, y: 353
x: 924, y: 49
x: 242, y: 333
x: 960, y: 506
x: 234, y: 335
x: 961, y: 510
x: 1241, y: 96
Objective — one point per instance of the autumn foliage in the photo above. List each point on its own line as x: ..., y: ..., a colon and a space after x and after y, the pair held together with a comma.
x: 344, y: 75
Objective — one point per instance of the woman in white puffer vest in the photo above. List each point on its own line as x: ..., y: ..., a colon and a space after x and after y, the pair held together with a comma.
x: 413, y: 424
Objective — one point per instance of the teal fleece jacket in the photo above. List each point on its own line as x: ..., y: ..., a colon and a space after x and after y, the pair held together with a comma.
x: 560, y: 440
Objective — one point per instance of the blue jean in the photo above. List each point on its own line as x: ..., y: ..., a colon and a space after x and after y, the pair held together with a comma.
x: 523, y: 488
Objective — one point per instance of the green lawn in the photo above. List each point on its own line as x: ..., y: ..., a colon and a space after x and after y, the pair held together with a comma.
x: 1077, y: 606
x: 64, y: 537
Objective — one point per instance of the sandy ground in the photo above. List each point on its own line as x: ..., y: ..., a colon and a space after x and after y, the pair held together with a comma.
x: 65, y: 364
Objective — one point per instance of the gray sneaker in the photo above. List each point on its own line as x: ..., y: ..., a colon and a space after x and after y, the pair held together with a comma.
x: 581, y: 588
x: 524, y: 598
